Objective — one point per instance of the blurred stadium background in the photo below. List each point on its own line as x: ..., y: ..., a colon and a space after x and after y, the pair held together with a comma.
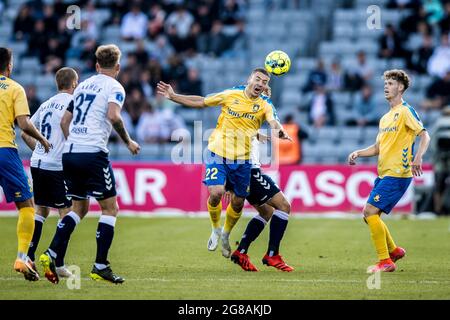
x: 333, y: 93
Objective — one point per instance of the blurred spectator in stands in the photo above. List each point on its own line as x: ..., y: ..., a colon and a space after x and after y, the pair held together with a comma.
x: 434, y: 10
x: 216, y: 39
x: 156, y: 21
x: 290, y: 152
x: 79, y: 38
x: 63, y: 35
x: 169, y: 122
x: 156, y: 72
x: 364, y: 109
x: 204, y: 16
x: 230, y: 12
x: 134, y: 103
x: 390, y: 44
x: 411, y: 23
x: 162, y: 51
x: 50, y: 19
x: 23, y: 24
x: 316, y: 77
x: 132, y: 66
x: 127, y: 83
x: 33, y: 101
x: 38, y: 41
x: 439, y: 62
x: 321, y: 108
x: 438, y: 93
x: 444, y: 24
x: 53, y: 57
x: 193, y: 84
x: 178, y: 26
x: 141, y: 53
x: 145, y: 84
x: 93, y: 19
x: 134, y: 24
x: 148, y: 129
x: 88, y: 55
x: 177, y: 70
x: 419, y: 58
x: 60, y: 8
x: 335, y: 77
x: 358, y: 75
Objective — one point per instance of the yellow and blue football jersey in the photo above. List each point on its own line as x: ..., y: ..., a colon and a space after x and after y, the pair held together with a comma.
x: 13, y: 103
x: 239, y: 121
x: 397, y: 133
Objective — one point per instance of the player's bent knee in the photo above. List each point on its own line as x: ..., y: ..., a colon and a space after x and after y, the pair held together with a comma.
x: 285, y: 207
x: 215, y: 194
x: 370, y: 210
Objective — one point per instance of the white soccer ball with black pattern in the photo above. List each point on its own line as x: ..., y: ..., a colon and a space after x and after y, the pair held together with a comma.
x: 277, y: 63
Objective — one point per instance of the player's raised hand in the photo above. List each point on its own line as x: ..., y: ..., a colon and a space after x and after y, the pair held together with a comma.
x: 268, y: 91
x: 416, y: 167
x: 165, y: 89
x: 44, y: 142
x: 134, y: 147
x: 352, y: 158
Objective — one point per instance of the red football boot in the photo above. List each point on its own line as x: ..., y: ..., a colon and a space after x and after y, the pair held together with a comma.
x: 385, y: 265
x: 277, y: 262
x: 397, y: 254
x: 243, y: 260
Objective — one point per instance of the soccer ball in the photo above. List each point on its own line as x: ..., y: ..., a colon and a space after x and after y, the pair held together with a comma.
x: 277, y: 62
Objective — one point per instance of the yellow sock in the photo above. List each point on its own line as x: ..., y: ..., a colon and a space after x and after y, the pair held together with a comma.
x: 231, y: 219
x: 378, y: 234
x: 390, y: 242
x: 214, y: 214
x: 25, y: 229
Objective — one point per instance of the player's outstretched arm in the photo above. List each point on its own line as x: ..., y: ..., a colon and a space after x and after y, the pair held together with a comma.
x: 371, y: 151
x: 117, y: 122
x: 166, y: 90
x: 416, y: 165
x: 27, y: 126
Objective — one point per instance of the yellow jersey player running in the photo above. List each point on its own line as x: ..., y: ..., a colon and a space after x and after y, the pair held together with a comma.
x: 13, y: 180
x: 395, y: 149
x: 244, y: 109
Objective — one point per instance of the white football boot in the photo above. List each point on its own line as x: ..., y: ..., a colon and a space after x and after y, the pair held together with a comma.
x: 213, y: 241
x: 226, y: 248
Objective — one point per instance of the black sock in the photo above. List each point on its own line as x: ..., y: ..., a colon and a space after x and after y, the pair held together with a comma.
x: 38, y: 223
x: 62, y: 236
x: 253, y: 230
x: 278, y: 225
x: 105, y: 235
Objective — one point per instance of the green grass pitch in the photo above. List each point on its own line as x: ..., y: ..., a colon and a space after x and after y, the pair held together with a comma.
x: 166, y: 258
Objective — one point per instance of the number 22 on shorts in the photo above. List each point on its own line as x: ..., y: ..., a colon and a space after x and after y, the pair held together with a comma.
x: 211, y: 174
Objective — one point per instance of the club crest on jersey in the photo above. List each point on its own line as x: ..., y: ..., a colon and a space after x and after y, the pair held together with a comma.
x: 255, y: 107
x: 119, y: 97
x: 377, y: 198
x: 396, y: 117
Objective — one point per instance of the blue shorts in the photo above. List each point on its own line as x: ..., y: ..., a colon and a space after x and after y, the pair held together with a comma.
x: 220, y: 170
x: 13, y: 179
x: 387, y: 192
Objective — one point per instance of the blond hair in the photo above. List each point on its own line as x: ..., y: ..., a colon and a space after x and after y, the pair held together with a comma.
x: 108, y: 56
x: 398, y: 75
